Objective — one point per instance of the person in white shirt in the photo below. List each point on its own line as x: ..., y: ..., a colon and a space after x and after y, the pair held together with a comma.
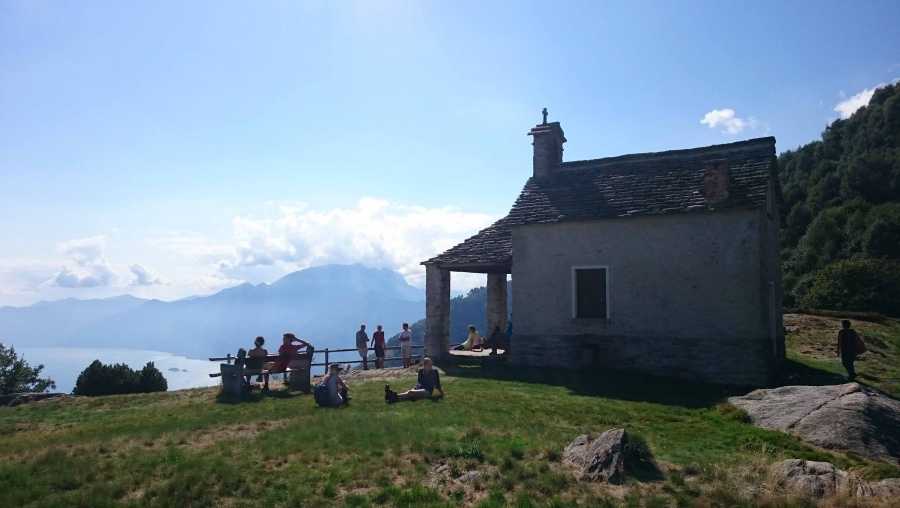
x: 406, y: 345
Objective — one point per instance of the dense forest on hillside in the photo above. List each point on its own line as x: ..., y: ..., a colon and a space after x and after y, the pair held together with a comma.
x: 841, y: 212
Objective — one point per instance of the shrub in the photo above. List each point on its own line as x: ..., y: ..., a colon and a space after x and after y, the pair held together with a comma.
x: 101, y: 379
x: 856, y: 285
x: 16, y: 376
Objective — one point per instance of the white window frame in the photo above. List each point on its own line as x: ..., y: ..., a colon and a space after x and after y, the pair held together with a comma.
x: 575, y: 290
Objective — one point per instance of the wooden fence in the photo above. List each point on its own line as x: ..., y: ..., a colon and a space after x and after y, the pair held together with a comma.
x: 328, y: 352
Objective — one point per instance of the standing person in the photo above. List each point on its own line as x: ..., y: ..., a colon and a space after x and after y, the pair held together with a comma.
x: 378, y: 344
x: 406, y: 345
x: 362, y: 345
x: 848, y: 347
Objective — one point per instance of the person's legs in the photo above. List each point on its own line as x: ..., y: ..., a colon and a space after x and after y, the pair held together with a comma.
x: 364, y: 354
x: 848, y: 364
x: 266, y: 382
x: 414, y: 394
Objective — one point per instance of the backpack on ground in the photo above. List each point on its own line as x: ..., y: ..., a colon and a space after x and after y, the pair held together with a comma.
x: 320, y: 394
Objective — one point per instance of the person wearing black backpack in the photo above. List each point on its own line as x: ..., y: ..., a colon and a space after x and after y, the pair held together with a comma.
x: 848, y: 347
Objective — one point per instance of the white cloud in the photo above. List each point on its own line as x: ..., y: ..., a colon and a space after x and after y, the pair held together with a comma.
x: 850, y: 105
x: 87, y: 266
x: 143, y: 277
x: 374, y: 232
x: 728, y: 121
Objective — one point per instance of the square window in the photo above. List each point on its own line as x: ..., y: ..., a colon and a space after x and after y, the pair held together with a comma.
x: 591, y: 293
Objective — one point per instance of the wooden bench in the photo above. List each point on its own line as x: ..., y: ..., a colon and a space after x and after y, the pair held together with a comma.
x: 234, y: 376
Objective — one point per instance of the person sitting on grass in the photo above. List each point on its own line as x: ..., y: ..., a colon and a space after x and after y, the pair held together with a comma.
x: 256, y: 360
x: 338, y: 393
x: 473, y: 341
x: 428, y: 382
x: 496, y: 341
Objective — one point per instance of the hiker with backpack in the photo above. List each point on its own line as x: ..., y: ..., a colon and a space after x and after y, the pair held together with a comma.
x: 849, y: 346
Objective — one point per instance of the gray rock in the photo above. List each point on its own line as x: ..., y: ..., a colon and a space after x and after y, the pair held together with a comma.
x: 889, y: 488
x: 601, y: 459
x: 842, y: 417
x: 808, y: 478
x: 469, y: 476
x: 822, y: 479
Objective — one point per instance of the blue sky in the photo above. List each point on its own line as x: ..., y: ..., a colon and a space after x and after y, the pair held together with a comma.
x: 171, y: 148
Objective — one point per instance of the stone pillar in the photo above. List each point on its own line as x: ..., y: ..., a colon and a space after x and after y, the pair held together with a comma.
x: 496, y: 303
x: 437, y: 312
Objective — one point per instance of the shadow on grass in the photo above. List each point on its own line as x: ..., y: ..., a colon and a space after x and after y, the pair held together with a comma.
x: 257, y: 396
x: 632, y: 386
x: 797, y: 373
x: 639, y: 461
x: 605, y: 383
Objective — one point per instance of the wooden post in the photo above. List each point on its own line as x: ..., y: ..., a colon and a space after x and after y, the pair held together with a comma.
x: 326, y: 361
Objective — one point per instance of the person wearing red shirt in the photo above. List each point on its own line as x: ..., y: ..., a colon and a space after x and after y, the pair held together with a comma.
x: 290, y: 348
x: 378, y: 344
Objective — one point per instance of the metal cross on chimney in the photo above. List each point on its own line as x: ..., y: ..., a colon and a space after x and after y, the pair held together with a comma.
x: 544, y: 112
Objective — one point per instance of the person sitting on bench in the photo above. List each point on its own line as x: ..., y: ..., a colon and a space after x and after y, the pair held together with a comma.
x: 473, y: 341
x: 290, y: 348
x: 495, y: 341
x: 429, y: 380
x: 256, y: 360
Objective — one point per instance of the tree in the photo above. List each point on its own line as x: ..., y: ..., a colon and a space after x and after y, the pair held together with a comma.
x: 854, y: 284
x: 152, y: 380
x: 841, y: 198
x: 16, y: 376
x: 100, y: 379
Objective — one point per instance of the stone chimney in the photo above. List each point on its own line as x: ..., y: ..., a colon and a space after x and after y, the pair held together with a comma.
x: 548, y: 147
x: 715, y: 181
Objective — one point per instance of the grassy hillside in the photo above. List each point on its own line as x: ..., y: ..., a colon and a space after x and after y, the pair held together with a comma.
x: 188, y: 449
x: 811, y: 342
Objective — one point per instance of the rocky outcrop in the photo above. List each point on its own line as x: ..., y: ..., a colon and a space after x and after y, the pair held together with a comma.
x: 841, y: 417
x: 15, y: 399
x: 601, y: 459
x: 822, y: 479
x: 808, y: 478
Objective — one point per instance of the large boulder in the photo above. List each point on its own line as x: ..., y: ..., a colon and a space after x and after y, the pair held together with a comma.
x: 601, y: 459
x: 822, y: 479
x: 843, y: 417
x: 808, y: 478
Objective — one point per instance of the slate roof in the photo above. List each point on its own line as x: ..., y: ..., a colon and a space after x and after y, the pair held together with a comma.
x: 624, y: 186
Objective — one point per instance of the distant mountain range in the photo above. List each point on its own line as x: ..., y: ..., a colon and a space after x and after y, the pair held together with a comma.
x: 324, y: 304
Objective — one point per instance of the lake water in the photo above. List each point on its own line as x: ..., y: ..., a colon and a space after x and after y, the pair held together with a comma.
x: 64, y: 364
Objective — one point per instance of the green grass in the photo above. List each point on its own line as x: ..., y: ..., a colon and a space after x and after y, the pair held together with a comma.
x: 811, y: 350
x: 187, y: 449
